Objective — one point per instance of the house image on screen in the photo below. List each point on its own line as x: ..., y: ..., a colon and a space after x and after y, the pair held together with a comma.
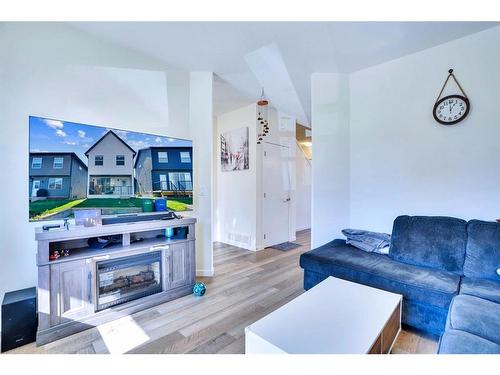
x: 60, y: 174
x: 111, y: 168
x: 164, y: 170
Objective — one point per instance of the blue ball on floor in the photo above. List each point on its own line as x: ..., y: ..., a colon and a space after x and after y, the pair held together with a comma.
x: 199, y: 289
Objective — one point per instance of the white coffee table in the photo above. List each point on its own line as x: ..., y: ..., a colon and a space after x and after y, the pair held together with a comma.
x: 334, y: 317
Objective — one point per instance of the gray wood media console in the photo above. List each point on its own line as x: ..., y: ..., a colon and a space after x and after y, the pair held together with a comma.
x: 110, y: 271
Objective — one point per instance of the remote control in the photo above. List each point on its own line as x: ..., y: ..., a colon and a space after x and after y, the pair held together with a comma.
x: 47, y: 227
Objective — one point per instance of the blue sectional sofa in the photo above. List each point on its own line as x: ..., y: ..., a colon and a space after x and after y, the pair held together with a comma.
x: 447, y: 270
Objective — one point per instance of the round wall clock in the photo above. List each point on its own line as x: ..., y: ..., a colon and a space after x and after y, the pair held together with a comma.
x: 451, y: 109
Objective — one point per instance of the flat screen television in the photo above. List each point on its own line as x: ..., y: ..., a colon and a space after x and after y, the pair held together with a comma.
x: 76, y: 166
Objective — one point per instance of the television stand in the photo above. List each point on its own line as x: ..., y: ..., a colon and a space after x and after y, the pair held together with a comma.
x: 81, y: 286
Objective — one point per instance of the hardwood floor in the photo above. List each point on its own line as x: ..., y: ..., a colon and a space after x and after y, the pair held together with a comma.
x: 247, y: 286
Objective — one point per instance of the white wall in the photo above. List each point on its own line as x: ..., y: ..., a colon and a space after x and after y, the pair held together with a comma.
x: 303, y: 190
x: 201, y: 130
x: 51, y: 70
x: 404, y: 162
x: 330, y: 148
x: 239, y: 199
x: 378, y: 153
x: 236, y: 209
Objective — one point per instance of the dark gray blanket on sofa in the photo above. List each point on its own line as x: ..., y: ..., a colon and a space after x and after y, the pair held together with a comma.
x: 368, y: 241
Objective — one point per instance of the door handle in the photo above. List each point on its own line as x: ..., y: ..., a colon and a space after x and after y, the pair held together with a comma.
x: 286, y: 200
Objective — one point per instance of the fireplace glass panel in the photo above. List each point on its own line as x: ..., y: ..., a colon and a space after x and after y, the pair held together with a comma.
x: 125, y: 279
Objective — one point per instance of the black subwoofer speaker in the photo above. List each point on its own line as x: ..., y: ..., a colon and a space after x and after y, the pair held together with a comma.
x: 19, y: 319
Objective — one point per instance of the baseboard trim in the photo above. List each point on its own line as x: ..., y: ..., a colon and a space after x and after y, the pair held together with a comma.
x: 238, y: 244
x: 301, y: 229
x: 205, y: 273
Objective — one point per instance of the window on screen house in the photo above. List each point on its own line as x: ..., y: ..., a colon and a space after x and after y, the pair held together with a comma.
x: 99, y: 160
x: 185, y: 157
x: 162, y: 157
x: 58, y: 163
x: 120, y: 160
x: 36, y: 163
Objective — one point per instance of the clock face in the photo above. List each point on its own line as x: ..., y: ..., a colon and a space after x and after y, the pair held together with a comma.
x: 451, y: 109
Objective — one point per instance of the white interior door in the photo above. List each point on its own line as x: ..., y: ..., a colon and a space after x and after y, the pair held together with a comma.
x: 276, y: 189
x: 34, y: 189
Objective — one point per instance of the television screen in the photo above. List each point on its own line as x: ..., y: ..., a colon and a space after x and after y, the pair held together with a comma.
x: 76, y: 166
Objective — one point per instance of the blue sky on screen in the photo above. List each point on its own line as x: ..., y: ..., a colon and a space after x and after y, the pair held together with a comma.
x: 63, y: 136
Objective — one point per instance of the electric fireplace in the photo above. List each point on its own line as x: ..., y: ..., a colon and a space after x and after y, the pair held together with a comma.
x: 125, y: 279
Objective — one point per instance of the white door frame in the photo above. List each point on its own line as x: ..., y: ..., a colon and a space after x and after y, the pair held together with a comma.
x: 33, y: 191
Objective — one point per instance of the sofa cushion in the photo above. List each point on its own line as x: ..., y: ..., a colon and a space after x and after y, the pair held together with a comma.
x: 482, y: 256
x: 481, y: 288
x: 429, y: 241
x: 420, y: 284
x: 475, y: 315
x: 459, y: 342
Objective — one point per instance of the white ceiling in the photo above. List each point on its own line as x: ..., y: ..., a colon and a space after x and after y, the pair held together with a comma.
x: 277, y: 55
